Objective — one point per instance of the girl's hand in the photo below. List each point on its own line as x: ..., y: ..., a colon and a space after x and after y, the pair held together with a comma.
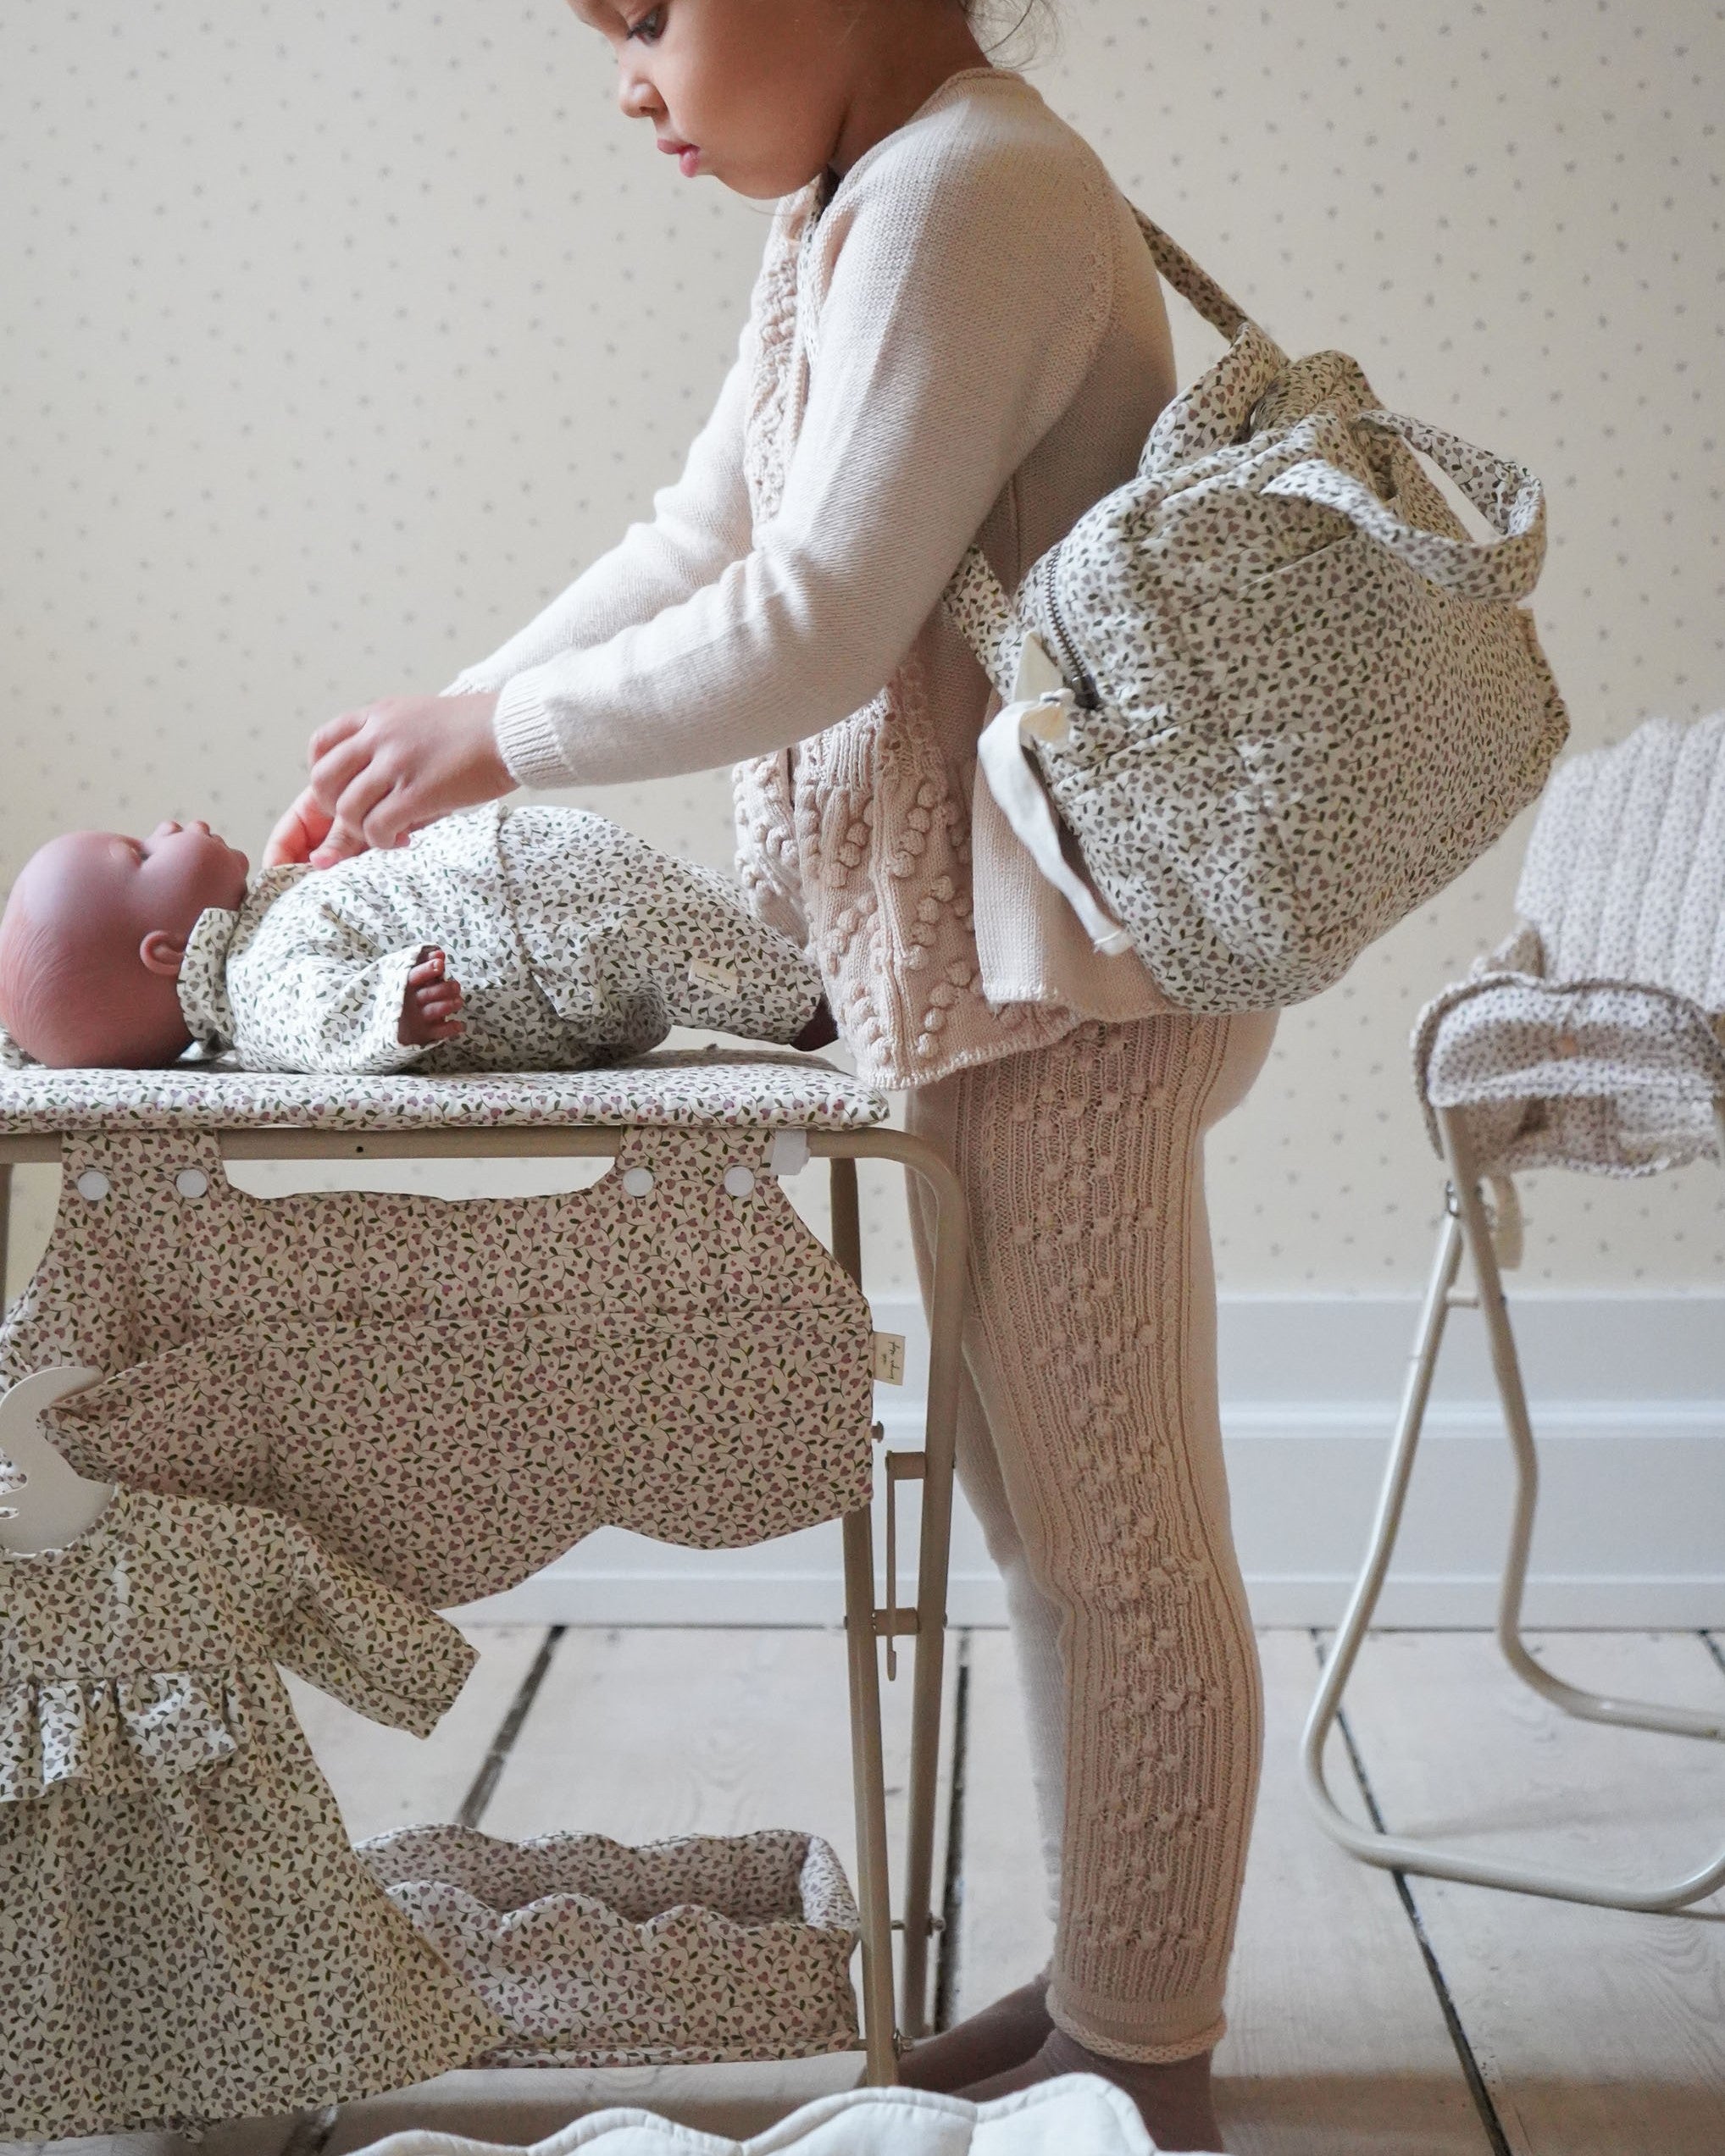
x: 385, y: 771
x: 298, y: 835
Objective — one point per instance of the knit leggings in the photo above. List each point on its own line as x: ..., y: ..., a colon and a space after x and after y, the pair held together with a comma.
x: 1089, y: 1448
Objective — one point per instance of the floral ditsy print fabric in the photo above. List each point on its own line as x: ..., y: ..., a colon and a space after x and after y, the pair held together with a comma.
x: 185, y: 1934
x: 452, y: 1393
x: 678, y: 1088
x: 1588, y: 1037
x: 705, y: 1948
x: 575, y: 943
x: 1306, y: 700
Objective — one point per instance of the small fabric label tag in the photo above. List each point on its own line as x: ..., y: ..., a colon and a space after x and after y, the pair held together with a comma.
x: 705, y: 974
x: 889, y: 1358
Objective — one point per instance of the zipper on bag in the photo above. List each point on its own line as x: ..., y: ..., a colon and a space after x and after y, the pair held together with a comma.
x: 1077, y: 673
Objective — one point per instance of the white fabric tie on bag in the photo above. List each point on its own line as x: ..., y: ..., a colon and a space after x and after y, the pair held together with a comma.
x: 1041, y: 711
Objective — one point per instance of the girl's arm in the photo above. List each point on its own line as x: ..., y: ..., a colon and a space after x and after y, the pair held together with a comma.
x: 967, y: 299
x: 962, y: 314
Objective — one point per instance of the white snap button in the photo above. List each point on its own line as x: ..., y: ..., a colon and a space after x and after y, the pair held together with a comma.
x: 94, y: 1185
x: 638, y: 1182
x: 739, y: 1180
x: 191, y: 1183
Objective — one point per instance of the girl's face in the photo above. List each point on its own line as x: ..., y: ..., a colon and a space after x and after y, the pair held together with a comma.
x: 763, y: 94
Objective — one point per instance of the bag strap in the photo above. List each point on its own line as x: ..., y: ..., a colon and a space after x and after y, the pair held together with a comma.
x: 1197, y: 286
x: 974, y: 597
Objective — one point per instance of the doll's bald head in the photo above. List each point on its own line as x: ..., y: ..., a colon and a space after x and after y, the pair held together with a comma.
x: 93, y: 938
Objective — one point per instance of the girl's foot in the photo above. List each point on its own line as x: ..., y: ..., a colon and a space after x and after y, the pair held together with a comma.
x: 1003, y: 2035
x: 1174, y: 2102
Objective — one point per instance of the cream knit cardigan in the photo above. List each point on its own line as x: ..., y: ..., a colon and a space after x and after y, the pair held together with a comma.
x: 963, y: 338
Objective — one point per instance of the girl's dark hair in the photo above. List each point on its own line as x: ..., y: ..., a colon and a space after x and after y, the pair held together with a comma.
x: 1009, y: 30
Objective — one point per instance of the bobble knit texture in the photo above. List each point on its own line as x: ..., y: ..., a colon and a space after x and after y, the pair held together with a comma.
x: 967, y: 342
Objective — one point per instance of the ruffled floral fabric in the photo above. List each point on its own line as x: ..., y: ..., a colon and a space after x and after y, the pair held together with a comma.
x: 185, y: 1934
x: 702, y: 1948
x: 117, y: 1734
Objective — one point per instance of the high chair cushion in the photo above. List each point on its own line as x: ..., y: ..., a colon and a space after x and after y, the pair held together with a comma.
x: 746, y: 1088
x: 1611, y: 1078
x: 1590, y: 1038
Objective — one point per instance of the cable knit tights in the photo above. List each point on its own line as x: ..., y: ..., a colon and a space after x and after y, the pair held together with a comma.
x: 1089, y: 1448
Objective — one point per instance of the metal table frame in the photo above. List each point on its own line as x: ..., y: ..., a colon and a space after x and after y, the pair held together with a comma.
x: 890, y: 2013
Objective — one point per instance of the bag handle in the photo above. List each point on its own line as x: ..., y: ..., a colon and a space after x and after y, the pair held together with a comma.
x: 1197, y: 286
x: 1506, y: 494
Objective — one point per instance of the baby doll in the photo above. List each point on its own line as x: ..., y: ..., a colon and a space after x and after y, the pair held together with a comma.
x: 509, y: 938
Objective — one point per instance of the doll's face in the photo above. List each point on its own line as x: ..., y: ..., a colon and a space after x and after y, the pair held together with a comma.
x: 92, y: 939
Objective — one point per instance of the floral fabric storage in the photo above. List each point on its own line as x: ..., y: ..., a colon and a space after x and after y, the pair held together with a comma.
x: 705, y: 1948
x: 454, y: 1392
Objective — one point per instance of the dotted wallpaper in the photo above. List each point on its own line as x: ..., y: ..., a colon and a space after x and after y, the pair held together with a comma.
x: 336, y: 337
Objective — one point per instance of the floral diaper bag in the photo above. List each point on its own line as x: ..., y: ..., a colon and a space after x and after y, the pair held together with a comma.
x: 1271, y: 688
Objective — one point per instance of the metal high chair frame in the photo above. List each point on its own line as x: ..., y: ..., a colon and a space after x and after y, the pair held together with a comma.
x: 1491, y: 1243
x: 892, y: 2013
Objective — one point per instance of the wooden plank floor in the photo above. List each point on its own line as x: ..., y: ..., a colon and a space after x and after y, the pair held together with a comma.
x: 1367, y: 2012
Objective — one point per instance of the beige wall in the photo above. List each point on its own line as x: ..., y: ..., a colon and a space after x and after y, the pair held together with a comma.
x: 337, y: 336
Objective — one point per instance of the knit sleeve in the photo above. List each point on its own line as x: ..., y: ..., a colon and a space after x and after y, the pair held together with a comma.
x: 699, y: 522
x: 969, y: 283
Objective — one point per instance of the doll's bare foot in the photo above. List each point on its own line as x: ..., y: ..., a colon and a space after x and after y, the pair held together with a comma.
x: 1174, y: 2102
x: 431, y: 1004
x: 1001, y: 2036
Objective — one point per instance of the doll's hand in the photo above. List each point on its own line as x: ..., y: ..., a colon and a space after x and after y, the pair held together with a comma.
x: 385, y: 771
x: 431, y: 1007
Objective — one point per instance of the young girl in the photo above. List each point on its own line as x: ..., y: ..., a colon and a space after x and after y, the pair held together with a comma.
x: 956, y: 333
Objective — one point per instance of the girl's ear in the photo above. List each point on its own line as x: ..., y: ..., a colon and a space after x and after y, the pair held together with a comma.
x: 161, y: 953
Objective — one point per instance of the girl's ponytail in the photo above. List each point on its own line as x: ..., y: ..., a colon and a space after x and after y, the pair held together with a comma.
x: 1009, y: 30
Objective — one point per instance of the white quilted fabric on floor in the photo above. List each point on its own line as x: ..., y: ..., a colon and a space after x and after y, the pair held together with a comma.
x: 1077, y: 2115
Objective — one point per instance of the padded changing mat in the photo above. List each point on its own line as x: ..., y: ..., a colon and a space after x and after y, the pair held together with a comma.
x: 772, y: 1089
x: 451, y: 1393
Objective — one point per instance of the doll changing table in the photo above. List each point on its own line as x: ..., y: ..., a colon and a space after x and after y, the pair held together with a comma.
x: 650, y: 1283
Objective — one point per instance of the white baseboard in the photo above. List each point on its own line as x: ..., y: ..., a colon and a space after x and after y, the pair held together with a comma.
x: 1628, y: 1400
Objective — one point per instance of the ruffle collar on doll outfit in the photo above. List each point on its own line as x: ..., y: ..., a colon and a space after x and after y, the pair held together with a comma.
x: 203, y: 971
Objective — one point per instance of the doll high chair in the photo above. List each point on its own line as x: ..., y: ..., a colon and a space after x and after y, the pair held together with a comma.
x: 451, y: 1393
x: 1588, y: 1039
